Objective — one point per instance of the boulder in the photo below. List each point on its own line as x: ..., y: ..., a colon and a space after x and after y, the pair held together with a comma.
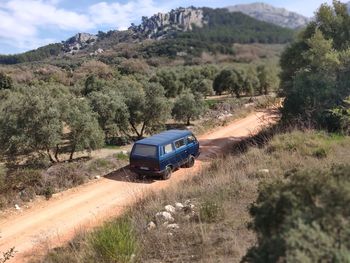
x: 173, y: 226
x: 179, y: 206
x: 151, y: 225
x: 165, y: 216
x: 170, y: 209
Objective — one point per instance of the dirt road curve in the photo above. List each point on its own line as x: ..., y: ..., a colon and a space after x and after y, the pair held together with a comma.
x: 56, y: 221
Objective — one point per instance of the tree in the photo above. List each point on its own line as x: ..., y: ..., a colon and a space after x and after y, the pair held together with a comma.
x: 203, y: 86
x: 84, y: 131
x: 92, y: 84
x: 168, y: 80
x: 303, y: 218
x: 251, y: 82
x: 229, y: 80
x: 30, y: 121
x: 5, y: 81
x: 147, y: 105
x: 315, y: 69
x: 188, y: 107
x: 112, y: 112
x: 266, y: 79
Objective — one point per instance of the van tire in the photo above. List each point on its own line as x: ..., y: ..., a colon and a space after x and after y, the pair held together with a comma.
x: 190, y: 162
x: 167, y: 173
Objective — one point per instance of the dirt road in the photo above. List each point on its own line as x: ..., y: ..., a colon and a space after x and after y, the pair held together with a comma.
x: 54, y: 222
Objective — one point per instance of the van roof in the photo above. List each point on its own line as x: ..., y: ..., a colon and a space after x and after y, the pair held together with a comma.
x: 164, y: 137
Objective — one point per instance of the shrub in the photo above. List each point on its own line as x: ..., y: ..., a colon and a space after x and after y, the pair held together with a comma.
x: 304, y: 218
x: 115, y: 241
x: 211, y: 210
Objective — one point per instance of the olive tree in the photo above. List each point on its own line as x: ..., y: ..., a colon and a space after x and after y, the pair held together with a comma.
x: 112, y: 112
x: 84, y: 130
x: 188, y: 107
x: 30, y: 121
x: 147, y: 105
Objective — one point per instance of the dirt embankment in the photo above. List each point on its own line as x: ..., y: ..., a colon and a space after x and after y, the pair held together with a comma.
x: 56, y: 221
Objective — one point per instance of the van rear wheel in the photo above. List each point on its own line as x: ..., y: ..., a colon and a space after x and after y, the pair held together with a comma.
x: 167, y: 173
x: 190, y: 162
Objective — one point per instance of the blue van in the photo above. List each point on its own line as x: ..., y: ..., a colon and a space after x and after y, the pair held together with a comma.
x: 162, y: 153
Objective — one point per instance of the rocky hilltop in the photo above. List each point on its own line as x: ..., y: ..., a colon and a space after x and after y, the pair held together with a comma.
x: 180, y: 19
x: 271, y: 14
x: 79, y: 41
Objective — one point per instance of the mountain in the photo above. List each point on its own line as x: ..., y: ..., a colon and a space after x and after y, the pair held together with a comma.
x: 271, y: 14
x: 182, y: 30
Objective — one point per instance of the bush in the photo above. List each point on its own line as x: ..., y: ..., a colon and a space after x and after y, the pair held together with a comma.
x: 211, y: 211
x: 115, y: 241
x: 304, y: 218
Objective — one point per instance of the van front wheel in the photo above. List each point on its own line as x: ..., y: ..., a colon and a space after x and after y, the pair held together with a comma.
x: 167, y: 173
x: 190, y: 162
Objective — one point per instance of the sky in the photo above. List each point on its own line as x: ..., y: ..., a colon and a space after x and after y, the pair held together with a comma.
x: 28, y: 24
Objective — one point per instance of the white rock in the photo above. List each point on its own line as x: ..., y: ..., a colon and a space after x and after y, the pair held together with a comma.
x: 170, y: 209
x: 187, y: 202
x: 97, y: 177
x: 151, y: 225
x: 264, y: 171
x: 179, y: 206
x: 173, y: 226
x: 165, y: 216
x: 17, y: 207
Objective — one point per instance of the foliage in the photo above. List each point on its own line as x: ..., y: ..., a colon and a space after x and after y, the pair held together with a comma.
x: 30, y: 121
x: 85, y: 132
x: 188, y: 107
x: 115, y: 241
x: 33, y: 55
x: 112, y: 112
x: 148, y: 107
x: 5, y: 81
x: 315, y: 69
x: 304, y: 218
x: 229, y: 80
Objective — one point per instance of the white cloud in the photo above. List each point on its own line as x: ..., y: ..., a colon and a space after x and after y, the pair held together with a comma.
x: 23, y: 21
x: 122, y: 15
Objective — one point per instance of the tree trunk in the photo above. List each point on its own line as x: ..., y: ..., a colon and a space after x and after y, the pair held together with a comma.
x: 50, y: 156
x: 142, y: 130
x: 72, y: 153
x: 135, y: 130
x: 188, y: 121
x: 56, y: 153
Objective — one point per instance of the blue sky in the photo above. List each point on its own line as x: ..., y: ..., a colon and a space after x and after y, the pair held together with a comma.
x: 28, y: 24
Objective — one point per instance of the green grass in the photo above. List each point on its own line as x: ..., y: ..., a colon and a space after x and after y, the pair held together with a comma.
x: 116, y: 241
x: 121, y: 156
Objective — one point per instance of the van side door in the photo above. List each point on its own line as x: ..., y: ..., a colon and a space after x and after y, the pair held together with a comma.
x: 181, y: 151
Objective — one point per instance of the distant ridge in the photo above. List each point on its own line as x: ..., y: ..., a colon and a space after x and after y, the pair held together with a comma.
x: 271, y: 14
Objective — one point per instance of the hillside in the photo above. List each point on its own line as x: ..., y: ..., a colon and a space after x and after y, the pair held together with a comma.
x: 271, y: 14
x: 182, y: 30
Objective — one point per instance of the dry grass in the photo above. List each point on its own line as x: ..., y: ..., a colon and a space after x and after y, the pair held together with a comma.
x: 217, y: 230
x: 22, y: 184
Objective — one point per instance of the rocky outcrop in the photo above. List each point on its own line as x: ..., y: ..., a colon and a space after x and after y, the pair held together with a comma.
x: 180, y: 19
x: 79, y: 41
x: 271, y: 14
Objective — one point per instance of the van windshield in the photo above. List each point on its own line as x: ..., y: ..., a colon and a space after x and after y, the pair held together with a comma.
x: 145, y: 150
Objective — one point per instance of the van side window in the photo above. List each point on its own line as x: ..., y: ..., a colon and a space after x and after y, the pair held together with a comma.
x: 179, y: 143
x: 168, y: 148
x: 191, y: 139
